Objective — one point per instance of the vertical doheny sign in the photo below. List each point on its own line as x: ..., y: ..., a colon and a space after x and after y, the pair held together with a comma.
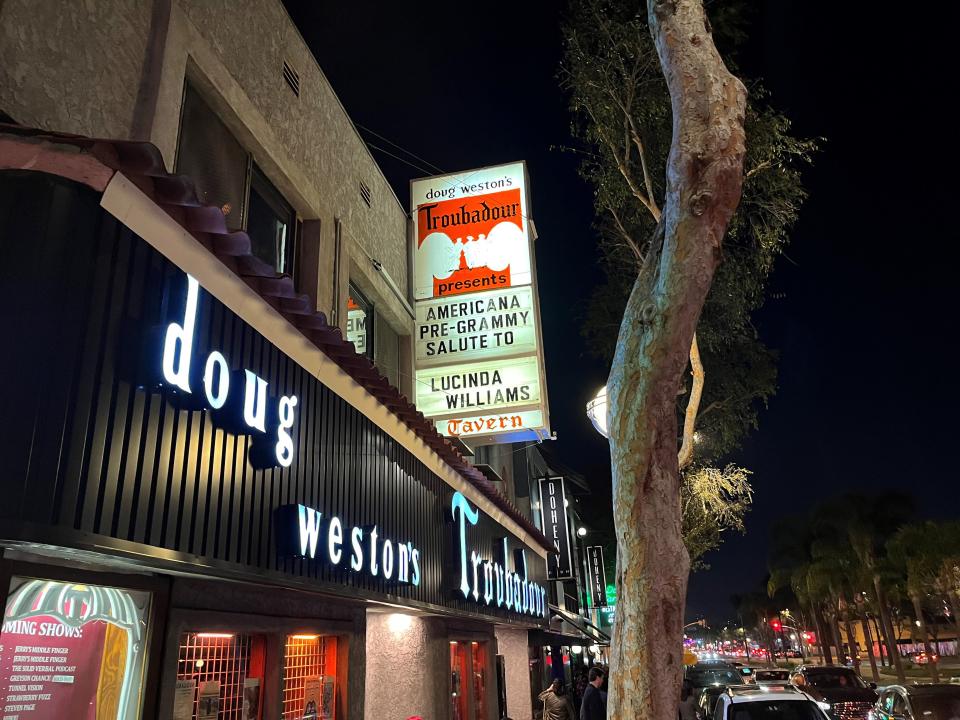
x: 553, y: 514
x: 596, y: 576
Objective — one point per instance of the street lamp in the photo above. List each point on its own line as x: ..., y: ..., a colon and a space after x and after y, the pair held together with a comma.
x: 597, y: 411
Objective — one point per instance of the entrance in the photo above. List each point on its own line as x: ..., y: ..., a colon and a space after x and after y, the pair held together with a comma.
x: 469, y: 678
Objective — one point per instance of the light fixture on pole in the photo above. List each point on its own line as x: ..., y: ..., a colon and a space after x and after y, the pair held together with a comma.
x: 597, y: 411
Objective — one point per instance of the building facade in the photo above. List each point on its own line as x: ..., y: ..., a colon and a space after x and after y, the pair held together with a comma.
x: 218, y: 500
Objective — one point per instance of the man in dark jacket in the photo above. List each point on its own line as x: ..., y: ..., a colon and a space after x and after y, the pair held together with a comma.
x: 593, y: 706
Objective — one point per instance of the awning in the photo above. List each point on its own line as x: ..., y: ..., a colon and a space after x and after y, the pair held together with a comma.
x: 586, y: 627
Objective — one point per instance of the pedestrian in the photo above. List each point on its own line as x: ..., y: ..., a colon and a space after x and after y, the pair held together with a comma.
x: 594, y: 706
x: 556, y: 705
x: 688, y: 703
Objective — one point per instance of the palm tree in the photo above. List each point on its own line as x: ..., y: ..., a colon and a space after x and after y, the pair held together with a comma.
x: 918, y: 549
x: 869, y: 522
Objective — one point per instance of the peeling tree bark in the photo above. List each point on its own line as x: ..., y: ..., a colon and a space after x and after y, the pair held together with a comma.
x: 685, y: 456
x: 704, y: 178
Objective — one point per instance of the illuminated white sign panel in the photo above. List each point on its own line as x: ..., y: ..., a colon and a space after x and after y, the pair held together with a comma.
x: 357, y: 329
x: 304, y: 532
x: 489, y: 581
x: 478, y: 350
x: 478, y: 387
x: 476, y: 327
x: 243, y: 412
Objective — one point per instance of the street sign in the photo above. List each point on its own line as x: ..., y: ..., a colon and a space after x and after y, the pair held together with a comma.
x: 553, y: 514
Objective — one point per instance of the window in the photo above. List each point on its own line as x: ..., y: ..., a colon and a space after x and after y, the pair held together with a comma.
x: 220, y: 674
x: 226, y: 176
x: 271, y: 224
x: 67, y: 645
x: 360, y: 322
x: 309, y: 677
x: 208, y: 153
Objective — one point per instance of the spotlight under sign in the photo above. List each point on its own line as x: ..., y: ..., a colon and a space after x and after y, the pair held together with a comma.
x: 479, y: 350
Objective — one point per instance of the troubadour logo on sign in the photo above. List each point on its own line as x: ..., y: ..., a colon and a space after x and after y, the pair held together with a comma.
x: 238, y: 400
x: 489, y: 581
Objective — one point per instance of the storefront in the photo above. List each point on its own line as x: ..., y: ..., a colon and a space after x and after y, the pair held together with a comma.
x: 212, y: 506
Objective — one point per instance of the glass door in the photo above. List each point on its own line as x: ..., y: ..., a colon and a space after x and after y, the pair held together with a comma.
x: 459, y: 683
x: 478, y: 658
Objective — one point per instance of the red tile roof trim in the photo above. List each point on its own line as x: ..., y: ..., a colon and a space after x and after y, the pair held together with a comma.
x: 93, y: 162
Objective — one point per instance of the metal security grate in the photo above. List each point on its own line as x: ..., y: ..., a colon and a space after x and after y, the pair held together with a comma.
x: 223, y: 658
x: 292, y: 77
x: 304, y: 656
x: 365, y: 193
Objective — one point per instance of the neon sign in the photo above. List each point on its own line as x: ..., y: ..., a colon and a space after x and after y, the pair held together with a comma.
x: 490, y: 581
x: 252, y: 412
x: 304, y: 532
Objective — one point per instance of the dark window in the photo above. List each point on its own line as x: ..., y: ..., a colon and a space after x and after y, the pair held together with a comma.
x: 210, y: 155
x: 360, y: 322
x: 938, y: 707
x: 225, y: 176
x: 835, y: 678
x: 271, y: 224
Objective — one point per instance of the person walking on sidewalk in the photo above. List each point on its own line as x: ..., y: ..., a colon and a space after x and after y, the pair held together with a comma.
x: 594, y: 706
x: 556, y: 704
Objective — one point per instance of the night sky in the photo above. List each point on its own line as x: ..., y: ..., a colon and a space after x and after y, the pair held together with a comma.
x: 862, y: 311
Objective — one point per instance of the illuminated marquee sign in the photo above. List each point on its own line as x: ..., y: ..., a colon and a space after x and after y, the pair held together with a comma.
x: 477, y: 307
x: 553, y: 518
x: 483, y: 326
x: 250, y: 411
x: 596, y: 576
x: 478, y: 387
x: 303, y: 532
x: 489, y: 581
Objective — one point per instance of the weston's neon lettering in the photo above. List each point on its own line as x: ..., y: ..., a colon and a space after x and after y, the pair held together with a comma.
x: 490, y: 581
x: 368, y: 552
x: 177, y: 362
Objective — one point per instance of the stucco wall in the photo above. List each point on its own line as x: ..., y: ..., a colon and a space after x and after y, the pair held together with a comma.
x: 72, y: 66
x: 312, y: 132
x: 512, y: 644
x: 77, y: 67
x: 407, y: 668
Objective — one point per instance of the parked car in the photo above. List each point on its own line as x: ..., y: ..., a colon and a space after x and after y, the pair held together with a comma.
x: 714, y: 674
x: 921, y: 658
x: 839, y: 689
x: 918, y: 702
x: 752, y: 702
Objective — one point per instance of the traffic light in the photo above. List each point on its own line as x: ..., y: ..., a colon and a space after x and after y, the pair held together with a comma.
x: 775, y: 624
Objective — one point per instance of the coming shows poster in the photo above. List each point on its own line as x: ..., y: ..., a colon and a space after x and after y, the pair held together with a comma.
x: 70, y: 650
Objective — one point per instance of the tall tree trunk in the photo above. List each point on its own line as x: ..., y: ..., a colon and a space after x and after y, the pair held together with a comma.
x: 892, y: 645
x: 822, y: 639
x: 835, y: 629
x: 852, y: 643
x: 882, y: 643
x: 867, y: 637
x: 924, y: 631
x: 704, y: 178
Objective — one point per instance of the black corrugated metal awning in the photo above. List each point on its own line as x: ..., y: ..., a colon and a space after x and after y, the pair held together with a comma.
x: 587, y: 628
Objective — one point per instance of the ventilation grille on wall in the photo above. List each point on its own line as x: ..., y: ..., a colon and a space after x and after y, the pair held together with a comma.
x: 292, y: 77
x: 365, y: 192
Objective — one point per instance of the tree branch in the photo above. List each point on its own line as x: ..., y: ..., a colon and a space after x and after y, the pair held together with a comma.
x: 631, y: 243
x: 685, y: 456
x: 646, y: 172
